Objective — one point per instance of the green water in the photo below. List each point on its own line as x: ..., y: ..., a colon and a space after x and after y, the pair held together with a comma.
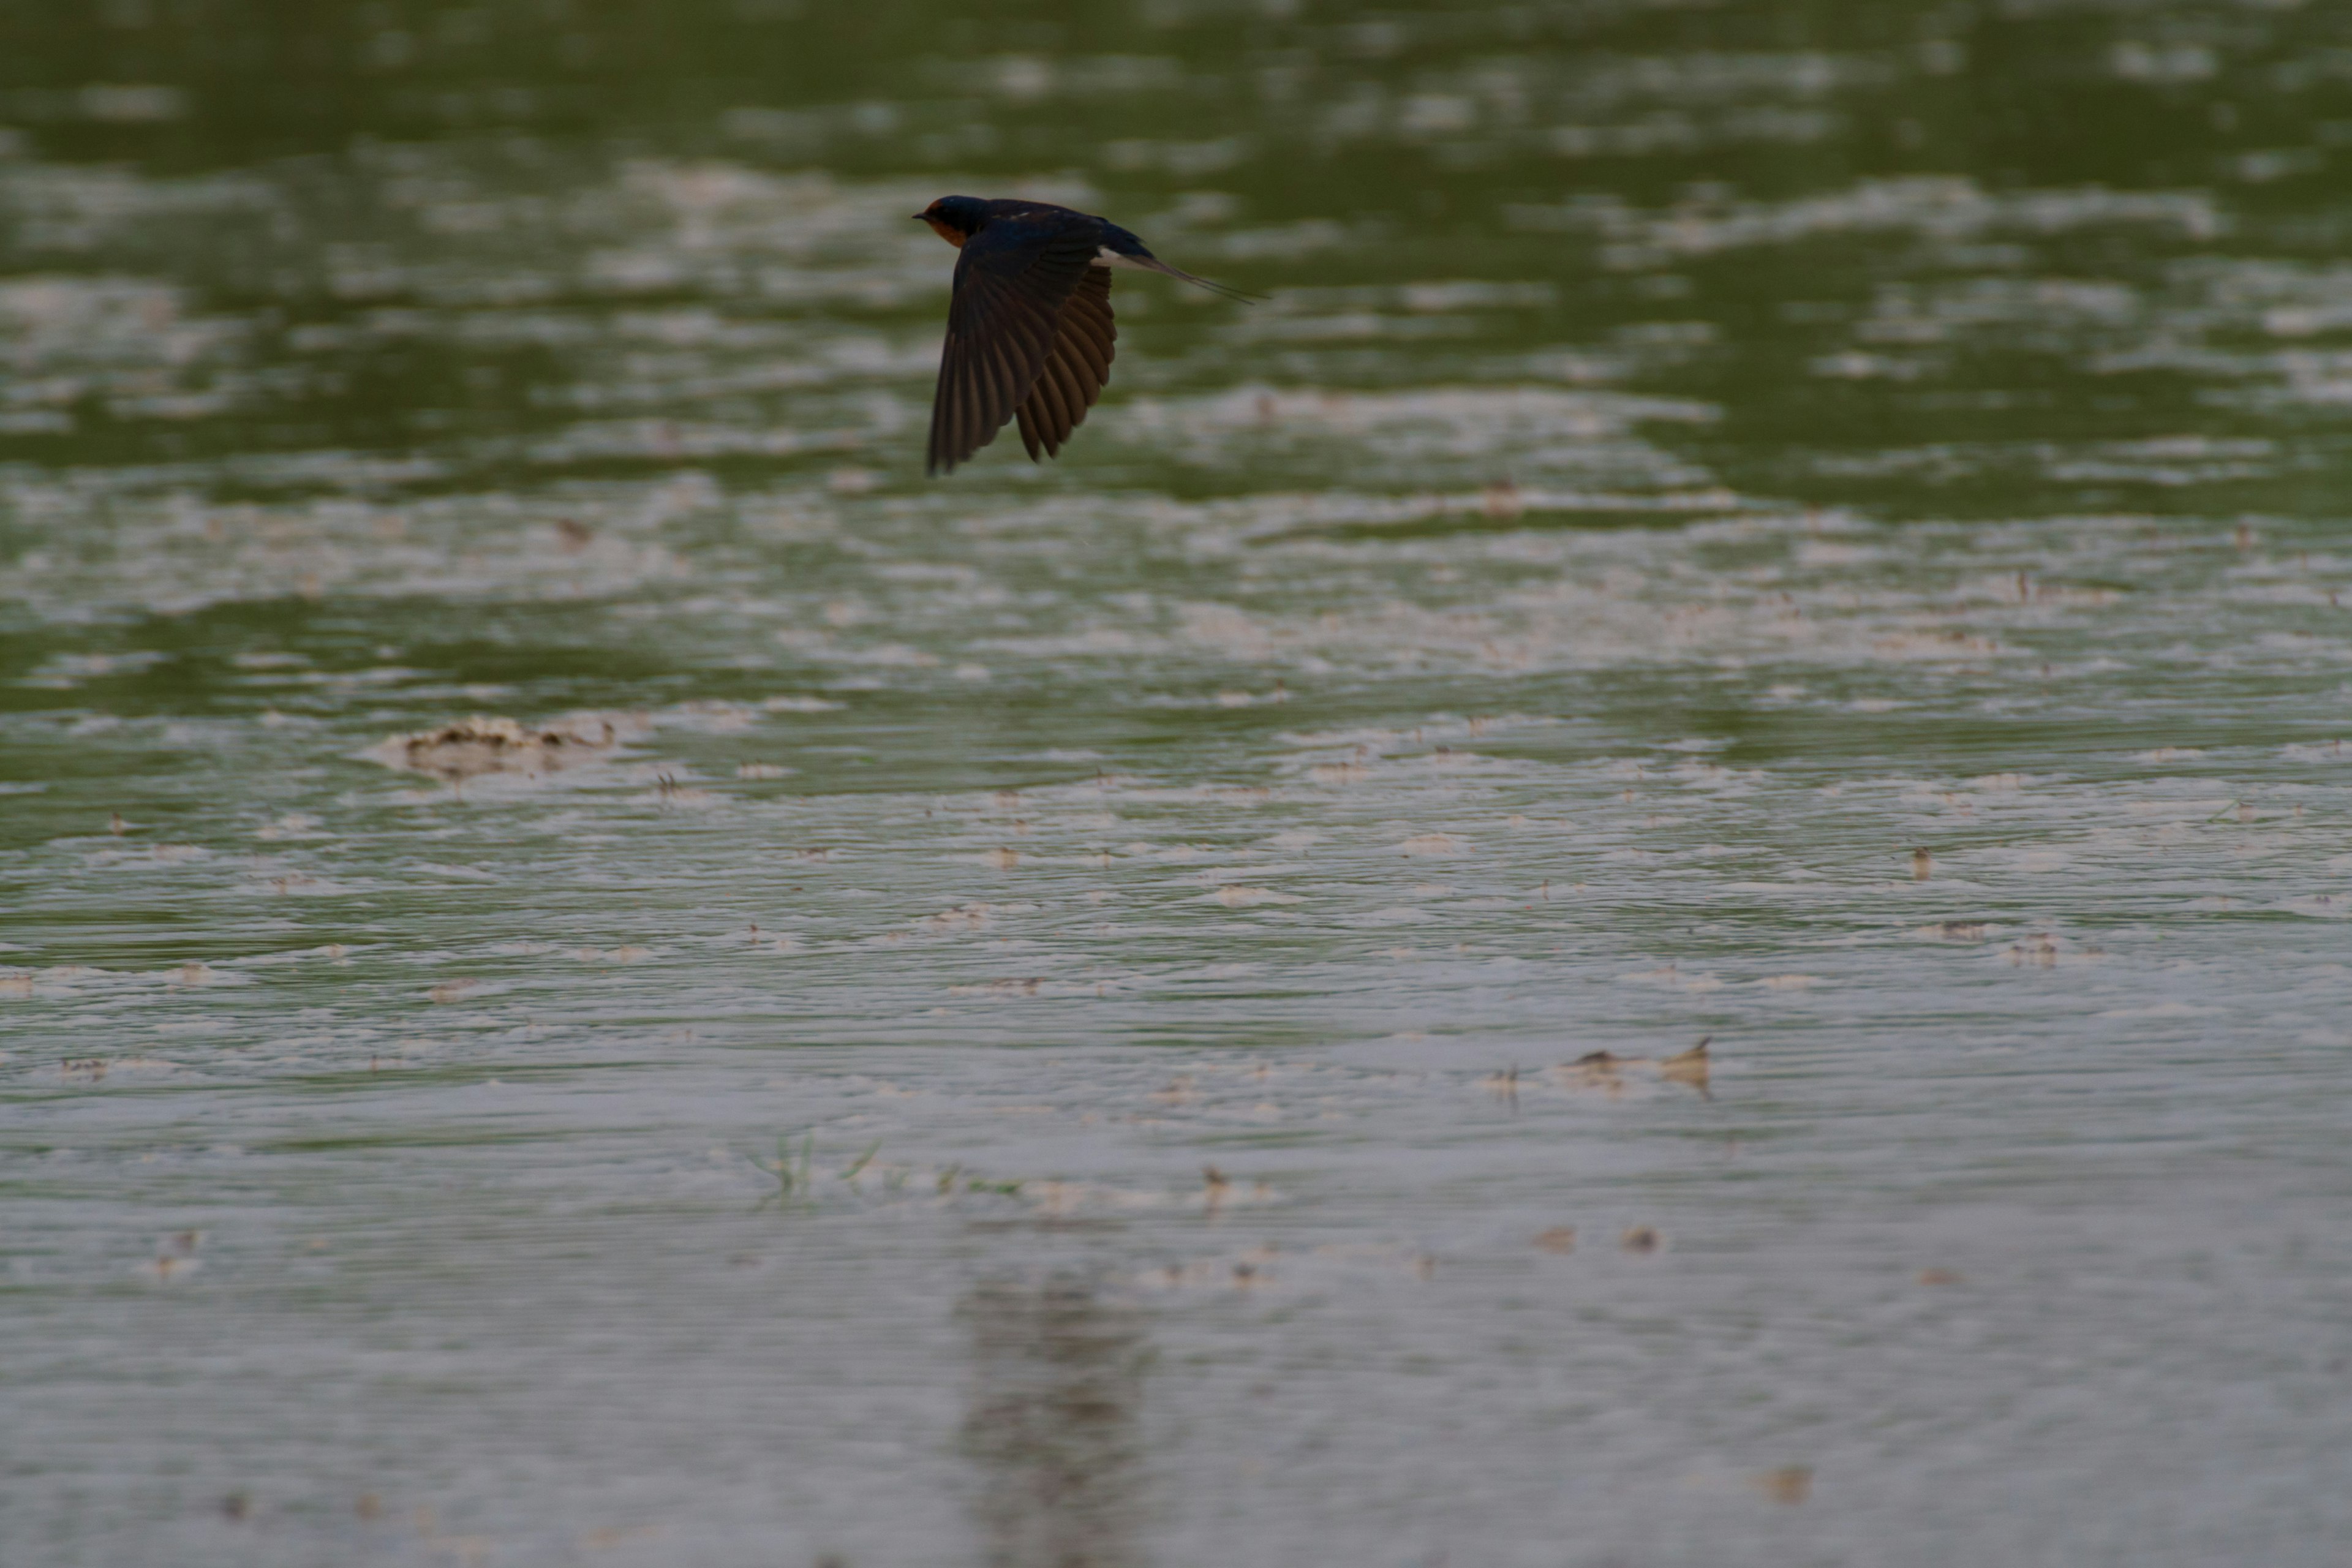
x: 1044, y: 1019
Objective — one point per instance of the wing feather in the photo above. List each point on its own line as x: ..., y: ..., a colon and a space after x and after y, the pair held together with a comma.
x: 1077, y: 368
x: 1060, y: 405
x: 1072, y: 387
x: 1013, y: 280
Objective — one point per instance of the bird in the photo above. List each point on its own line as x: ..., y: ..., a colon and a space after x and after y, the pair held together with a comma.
x: 1030, y: 335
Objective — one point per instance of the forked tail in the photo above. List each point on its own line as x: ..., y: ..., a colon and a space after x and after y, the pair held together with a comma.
x: 1153, y: 263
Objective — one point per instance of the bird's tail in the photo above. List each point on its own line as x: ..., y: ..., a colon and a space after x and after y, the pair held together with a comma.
x: 1153, y: 263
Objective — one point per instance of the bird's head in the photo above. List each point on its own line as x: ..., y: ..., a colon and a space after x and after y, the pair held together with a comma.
x: 955, y: 219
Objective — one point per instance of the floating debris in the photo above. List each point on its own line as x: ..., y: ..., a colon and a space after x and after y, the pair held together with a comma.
x: 1176, y: 1091
x: 1689, y: 1067
x: 1234, y: 897
x: 167, y: 1266
x: 1432, y: 845
x: 1560, y: 1239
x: 1605, y: 1070
x: 473, y: 747
x: 1641, y: 1238
x: 1594, y: 1069
x: 2037, y: 950
x: 1791, y: 1483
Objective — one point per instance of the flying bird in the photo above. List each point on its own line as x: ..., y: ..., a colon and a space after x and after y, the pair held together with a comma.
x: 1029, y: 328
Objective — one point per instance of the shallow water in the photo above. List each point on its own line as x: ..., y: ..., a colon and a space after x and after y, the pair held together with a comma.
x: 1048, y: 1017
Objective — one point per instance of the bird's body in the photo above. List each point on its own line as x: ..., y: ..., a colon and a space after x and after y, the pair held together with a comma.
x: 1030, y: 335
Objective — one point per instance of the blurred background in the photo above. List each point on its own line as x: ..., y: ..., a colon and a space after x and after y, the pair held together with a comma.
x: 2009, y: 232
x: 1050, y: 1016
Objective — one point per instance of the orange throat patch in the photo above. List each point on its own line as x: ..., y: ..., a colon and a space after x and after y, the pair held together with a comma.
x: 953, y: 237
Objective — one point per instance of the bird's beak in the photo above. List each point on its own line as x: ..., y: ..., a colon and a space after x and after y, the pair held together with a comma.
x: 920, y: 216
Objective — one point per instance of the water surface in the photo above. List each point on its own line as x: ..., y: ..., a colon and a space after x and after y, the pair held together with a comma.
x: 1050, y: 1016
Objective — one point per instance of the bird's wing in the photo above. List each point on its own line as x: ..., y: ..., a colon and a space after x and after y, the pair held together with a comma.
x: 1075, y: 370
x: 1012, y: 282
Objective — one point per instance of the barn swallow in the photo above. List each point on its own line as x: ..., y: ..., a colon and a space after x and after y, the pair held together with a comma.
x: 1029, y: 326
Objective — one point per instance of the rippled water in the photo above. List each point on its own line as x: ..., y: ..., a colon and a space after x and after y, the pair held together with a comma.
x: 1050, y: 1017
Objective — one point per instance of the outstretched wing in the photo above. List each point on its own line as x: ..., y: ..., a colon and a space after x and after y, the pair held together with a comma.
x: 1075, y: 370
x: 1011, y: 281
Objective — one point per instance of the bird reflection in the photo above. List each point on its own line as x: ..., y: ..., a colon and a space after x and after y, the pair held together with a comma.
x: 1058, y: 1384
